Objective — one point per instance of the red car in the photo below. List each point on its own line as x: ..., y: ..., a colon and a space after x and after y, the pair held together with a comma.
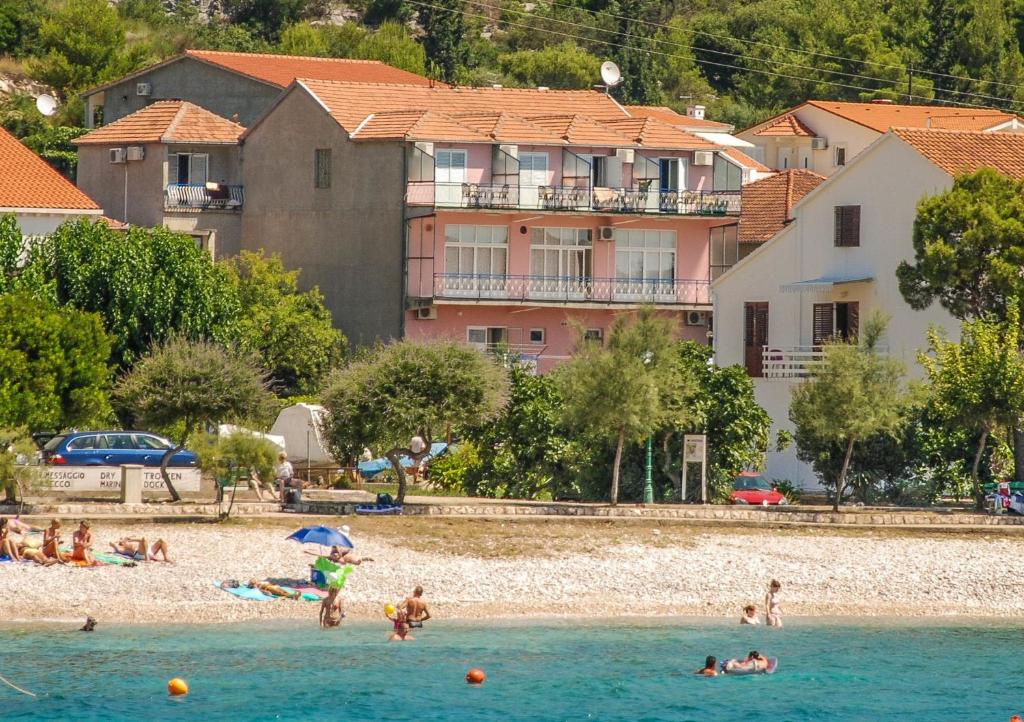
x: 751, y: 487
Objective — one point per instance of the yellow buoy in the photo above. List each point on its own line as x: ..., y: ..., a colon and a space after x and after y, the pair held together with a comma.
x: 177, y: 687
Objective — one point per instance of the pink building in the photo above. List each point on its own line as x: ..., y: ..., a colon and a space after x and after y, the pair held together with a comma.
x: 515, y: 216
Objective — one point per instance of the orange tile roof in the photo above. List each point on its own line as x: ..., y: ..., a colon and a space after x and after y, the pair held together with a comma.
x: 416, y: 125
x: 653, y: 133
x: 281, y: 70
x: 667, y: 115
x: 765, y: 204
x: 745, y: 160
x: 28, y: 181
x: 958, y: 152
x: 786, y: 125
x: 509, y: 127
x: 166, y: 121
x: 350, y: 103
x: 582, y: 130
x: 882, y: 116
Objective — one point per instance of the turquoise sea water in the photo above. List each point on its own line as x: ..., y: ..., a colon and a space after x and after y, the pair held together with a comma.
x: 546, y: 671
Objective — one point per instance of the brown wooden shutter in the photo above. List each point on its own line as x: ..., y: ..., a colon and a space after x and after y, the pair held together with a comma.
x: 852, y: 321
x: 847, y: 226
x: 837, y: 235
x: 824, y: 328
x: 755, y: 336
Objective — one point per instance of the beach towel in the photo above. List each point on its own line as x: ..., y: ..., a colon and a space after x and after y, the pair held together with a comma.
x: 254, y: 595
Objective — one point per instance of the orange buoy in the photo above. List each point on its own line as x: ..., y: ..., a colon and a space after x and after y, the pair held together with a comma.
x: 177, y: 687
x: 475, y: 676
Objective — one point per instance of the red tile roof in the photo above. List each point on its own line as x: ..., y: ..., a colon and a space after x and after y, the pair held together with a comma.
x: 416, y: 125
x: 765, y: 204
x: 281, y: 70
x: 27, y: 181
x: 166, y: 121
x: 509, y: 127
x: 583, y: 130
x: 667, y: 115
x: 653, y: 133
x: 882, y: 116
x: 958, y: 152
x: 786, y: 125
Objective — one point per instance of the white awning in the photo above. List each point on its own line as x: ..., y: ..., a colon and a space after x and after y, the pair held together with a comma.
x: 821, y: 284
x: 725, y: 139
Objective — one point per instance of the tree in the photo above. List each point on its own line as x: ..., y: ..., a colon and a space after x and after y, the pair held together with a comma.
x: 191, y: 385
x: 232, y: 457
x: 304, y: 39
x: 268, y: 18
x: 979, y: 382
x: 82, y: 43
x: 444, y: 37
x: 556, y: 66
x: 634, y: 52
x: 147, y: 284
x: 19, y: 24
x: 855, y: 393
x: 391, y: 44
x: 409, y: 389
x: 621, y: 391
x: 290, y: 331
x: 16, y: 449
x: 53, y: 365
x: 968, y: 252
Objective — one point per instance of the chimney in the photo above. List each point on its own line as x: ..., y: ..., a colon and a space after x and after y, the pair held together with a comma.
x: 695, y: 111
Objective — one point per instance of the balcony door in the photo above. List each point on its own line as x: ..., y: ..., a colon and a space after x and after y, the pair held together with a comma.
x: 533, y: 173
x: 189, y: 168
x: 836, y: 322
x: 449, y: 175
x: 560, y: 262
x: 755, y: 336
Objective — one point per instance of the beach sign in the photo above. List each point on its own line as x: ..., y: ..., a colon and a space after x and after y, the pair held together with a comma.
x: 108, y: 478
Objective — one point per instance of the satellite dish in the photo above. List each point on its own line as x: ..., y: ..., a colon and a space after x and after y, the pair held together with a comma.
x: 610, y: 73
x: 46, y: 104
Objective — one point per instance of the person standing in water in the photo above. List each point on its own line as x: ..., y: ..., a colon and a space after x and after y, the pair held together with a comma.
x: 332, y: 609
x: 772, y: 613
x: 416, y: 609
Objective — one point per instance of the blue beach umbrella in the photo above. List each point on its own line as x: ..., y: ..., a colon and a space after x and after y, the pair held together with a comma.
x: 322, y: 535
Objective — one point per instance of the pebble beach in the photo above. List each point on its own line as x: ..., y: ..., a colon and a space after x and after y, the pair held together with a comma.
x: 606, y: 570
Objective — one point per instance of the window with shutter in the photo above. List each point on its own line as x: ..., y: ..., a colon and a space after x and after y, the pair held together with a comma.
x: 824, y: 328
x: 847, y: 226
x: 755, y: 336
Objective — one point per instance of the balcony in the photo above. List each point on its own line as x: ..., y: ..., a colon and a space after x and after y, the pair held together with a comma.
x: 568, y: 289
x: 495, y: 196
x: 203, y: 196
x: 793, y: 362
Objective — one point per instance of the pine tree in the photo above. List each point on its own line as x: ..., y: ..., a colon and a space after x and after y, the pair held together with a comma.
x: 634, y: 52
x: 444, y: 39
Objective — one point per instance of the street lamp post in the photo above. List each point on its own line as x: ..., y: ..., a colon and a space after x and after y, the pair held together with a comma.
x: 648, y: 480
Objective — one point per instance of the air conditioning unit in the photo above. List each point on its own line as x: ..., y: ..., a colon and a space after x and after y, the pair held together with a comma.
x: 117, y: 155
x: 136, y: 152
x: 703, y: 157
x: 819, y: 143
x: 606, y: 233
x: 625, y: 155
x: 428, y: 313
x: 696, y: 318
x: 144, y: 89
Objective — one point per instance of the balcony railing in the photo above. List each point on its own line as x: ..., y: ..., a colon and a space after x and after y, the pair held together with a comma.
x: 791, y: 362
x: 203, y: 196
x: 573, y: 198
x: 571, y: 288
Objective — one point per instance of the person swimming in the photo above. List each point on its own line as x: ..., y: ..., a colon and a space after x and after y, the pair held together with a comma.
x: 754, y: 662
x: 749, y: 615
x: 710, y: 667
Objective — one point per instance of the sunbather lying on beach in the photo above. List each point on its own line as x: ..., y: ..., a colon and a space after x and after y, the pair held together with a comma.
x: 273, y: 590
x: 82, y: 544
x: 139, y: 549
x: 37, y: 556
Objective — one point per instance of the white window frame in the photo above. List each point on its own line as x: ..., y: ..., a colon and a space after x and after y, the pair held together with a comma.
x: 530, y: 174
x: 594, y: 334
x: 652, y: 247
x: 573, y: 251
x: 449, y: 165
x: 468, y: 243
x: 174, y: 160
x: 488, y: 344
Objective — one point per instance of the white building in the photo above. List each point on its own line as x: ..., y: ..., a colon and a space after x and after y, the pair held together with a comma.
x: 836, y: 263
x: 824, y: 135
x: 39, y: 197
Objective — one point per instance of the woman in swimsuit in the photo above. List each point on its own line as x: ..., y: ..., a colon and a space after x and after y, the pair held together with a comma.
x: 51, y: 541
x: 773, y: 615
x: 400, y: 631
x: 82, y: 544
x: 8, y: 547
x: 331, y: 612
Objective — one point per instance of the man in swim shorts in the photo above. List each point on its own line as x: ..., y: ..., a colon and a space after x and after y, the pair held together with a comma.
x: 416, y: 609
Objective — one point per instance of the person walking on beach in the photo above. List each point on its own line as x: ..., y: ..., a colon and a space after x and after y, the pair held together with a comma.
x: 416, y: 609
x: 772, y: 613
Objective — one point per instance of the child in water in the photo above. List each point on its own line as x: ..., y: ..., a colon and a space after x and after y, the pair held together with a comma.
x: 749, y: 615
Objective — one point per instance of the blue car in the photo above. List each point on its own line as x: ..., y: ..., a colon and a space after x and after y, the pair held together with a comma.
x: 112, y: 448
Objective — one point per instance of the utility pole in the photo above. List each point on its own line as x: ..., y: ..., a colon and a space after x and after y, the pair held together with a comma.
x: 910, y: 84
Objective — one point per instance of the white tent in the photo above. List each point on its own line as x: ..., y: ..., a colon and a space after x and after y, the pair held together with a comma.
x: 300, y: 427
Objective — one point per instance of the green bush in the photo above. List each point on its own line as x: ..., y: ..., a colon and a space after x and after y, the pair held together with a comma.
x: 454, y: 471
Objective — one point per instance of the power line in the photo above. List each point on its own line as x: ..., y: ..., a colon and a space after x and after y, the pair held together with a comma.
x: 722, y: 36
x: 651, y: 51
x: 855, y: 76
